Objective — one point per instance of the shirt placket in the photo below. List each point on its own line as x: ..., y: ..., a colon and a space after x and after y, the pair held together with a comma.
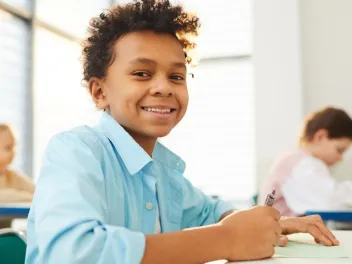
x: 149, y: 204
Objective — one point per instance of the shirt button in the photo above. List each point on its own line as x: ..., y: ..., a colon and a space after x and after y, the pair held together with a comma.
x: 149, y: 206
x: 177, y: 164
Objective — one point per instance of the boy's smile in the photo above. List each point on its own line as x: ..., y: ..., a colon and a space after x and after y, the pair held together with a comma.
x: 160, y: 111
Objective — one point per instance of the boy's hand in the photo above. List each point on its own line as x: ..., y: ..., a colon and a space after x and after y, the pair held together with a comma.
x: 252, y: 234
x: 309, y: 224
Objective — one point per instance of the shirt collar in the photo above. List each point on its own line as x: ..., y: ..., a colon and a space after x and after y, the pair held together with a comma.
x: 168, y: 158
x: 132, y: 154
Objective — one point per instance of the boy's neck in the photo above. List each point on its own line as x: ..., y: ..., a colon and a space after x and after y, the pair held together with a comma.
x: 147, y: 143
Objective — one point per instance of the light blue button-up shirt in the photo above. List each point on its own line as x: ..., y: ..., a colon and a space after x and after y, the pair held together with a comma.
x: 96, y: 198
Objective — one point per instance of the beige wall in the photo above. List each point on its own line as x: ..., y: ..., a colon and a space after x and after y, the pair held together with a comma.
x: 326, y: 36
x: 278, y: 81
x: 302, y: 62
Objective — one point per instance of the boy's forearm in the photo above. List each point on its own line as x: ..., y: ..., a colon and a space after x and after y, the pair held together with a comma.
x: 197, y: 245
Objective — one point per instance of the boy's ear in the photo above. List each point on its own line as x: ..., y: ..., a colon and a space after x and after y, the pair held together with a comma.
x: 320, y: 135
x: 96, y: 89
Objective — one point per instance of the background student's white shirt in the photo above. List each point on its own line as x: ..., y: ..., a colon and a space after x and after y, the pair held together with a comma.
x: 311, y: 187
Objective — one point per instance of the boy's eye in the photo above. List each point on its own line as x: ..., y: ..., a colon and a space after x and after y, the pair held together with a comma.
x: 177, y: 77
x: 141, y: 74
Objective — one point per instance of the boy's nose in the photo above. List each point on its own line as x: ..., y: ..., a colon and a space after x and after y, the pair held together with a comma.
x: 163, y: 89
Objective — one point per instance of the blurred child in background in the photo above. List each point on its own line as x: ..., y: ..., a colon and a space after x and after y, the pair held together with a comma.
x: 301, y: 178
x: 14, y: 187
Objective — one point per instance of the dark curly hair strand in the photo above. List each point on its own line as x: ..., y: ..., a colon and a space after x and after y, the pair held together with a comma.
x: 140, y: 15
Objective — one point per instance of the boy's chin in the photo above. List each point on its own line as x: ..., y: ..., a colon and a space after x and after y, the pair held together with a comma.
x: 158, y: 132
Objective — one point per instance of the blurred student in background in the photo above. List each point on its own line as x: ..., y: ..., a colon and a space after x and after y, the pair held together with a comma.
x: 301, y: 178
x: 14, y: 187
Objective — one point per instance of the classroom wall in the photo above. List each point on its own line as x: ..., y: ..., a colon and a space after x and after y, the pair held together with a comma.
x: 302, y: 62
x: 278, y: 79
x: 327, y: 59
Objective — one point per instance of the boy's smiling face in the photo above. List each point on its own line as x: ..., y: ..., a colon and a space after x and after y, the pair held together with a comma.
x: 145, y: 87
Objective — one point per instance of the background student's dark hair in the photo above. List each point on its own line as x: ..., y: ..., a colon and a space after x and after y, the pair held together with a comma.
x: 335, y: 121
x: 141, y: 15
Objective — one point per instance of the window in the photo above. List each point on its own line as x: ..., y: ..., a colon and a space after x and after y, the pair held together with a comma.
x: 216, y: 137
x: 60, y: 101
x: 70, y: 16
x: 14, y: 103
x: 25, y: 4
x: 41, y: 91
x: 225, y: 26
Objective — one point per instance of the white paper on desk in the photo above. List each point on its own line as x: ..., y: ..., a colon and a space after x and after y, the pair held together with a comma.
x: 244, y: 262
x: 250, y: 261
x: 303, y: 246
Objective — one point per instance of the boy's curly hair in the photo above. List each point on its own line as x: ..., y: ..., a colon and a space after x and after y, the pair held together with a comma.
x: 140, y: 15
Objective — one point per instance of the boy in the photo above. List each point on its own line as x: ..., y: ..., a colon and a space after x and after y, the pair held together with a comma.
x: 106, y: 193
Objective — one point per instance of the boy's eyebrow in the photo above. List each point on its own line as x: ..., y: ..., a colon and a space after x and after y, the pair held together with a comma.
x: 152, y: 62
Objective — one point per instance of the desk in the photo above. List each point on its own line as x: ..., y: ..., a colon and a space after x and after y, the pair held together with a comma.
x: 14, y: 210
x: 345, y: 238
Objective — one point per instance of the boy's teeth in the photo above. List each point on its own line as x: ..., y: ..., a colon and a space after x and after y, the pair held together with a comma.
x: 156, y: 110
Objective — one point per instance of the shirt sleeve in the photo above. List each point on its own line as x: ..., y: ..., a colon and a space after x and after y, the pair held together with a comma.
x: 311, y: 187
x: 200, y: 209
x: 70, y: 209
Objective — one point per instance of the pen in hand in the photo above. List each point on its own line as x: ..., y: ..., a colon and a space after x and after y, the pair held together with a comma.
x: 270, y: 198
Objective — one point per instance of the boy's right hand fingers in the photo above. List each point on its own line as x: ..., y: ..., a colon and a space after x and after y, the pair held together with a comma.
x: 276, y: 241
x: 273, y: 212
x: 277, y: 214
x: 315, y: 232
x: 283, y: 241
